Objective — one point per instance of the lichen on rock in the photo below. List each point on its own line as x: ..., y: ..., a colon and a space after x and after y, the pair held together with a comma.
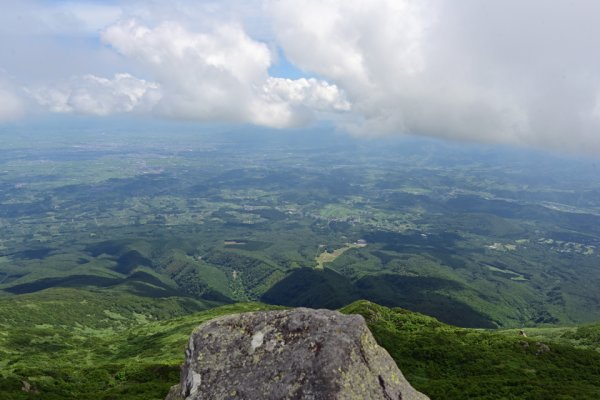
x: 289, y: 354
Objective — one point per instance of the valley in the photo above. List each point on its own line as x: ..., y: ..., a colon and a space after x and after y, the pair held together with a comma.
x: 459, y: 233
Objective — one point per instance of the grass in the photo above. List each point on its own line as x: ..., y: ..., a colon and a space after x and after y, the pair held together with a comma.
x: 78, y: 344
x: 584, y: 336
x: 69, y: 344
x: 447, y: 362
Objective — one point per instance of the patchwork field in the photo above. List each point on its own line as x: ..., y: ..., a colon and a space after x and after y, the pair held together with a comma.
x: 464, y: 234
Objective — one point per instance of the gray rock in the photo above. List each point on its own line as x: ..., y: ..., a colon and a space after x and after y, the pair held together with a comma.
x: 291, y: 354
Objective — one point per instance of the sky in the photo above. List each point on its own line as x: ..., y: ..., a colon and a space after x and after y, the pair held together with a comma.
x: 498, y: 71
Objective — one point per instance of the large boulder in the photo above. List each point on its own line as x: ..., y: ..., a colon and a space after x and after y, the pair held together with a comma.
x: 290, y: 354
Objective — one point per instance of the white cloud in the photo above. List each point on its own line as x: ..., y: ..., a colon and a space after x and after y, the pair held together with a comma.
x: 494, y: 71
x: 282, y: 103
x: 311, y: 93
x: 204, y: 76
x: 93, y: 95
x: 379, y: 52
x: 219, y: 75
x: 499, y: 71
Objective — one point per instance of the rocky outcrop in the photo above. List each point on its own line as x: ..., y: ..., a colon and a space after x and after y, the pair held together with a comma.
x: 290, y: 354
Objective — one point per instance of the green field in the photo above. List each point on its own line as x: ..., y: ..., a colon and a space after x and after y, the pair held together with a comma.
x: 474, y: 237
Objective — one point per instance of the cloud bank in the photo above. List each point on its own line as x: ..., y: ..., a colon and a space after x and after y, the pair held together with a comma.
x: 94, y: 95
x: 216, y: 76
x: 494, y: 71
x: 484, y: 71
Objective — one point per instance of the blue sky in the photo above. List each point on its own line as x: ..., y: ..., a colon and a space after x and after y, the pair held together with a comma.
x: 503, y: 72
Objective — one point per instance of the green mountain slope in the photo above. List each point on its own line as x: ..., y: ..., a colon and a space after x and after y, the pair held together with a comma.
x: 447, y: 362
x: 78, y: 344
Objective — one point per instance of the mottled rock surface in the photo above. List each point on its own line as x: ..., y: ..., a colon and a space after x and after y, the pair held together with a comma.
x: 290, y: 354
